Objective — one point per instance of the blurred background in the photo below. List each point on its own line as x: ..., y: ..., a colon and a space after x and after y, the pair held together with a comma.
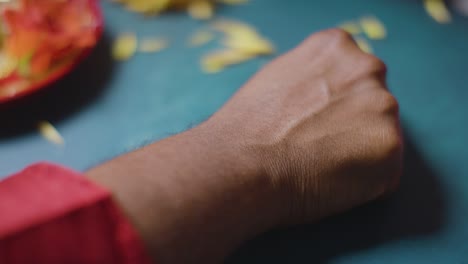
x: 113, y: 103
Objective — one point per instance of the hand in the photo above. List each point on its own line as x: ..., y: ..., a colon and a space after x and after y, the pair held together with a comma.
x: 322, y: 123
x: 313, y: 134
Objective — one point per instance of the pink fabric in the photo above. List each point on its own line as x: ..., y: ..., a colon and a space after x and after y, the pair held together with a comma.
x: 49, y: 214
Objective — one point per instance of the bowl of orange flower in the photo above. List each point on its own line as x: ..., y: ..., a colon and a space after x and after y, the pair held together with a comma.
x: 42, y: 41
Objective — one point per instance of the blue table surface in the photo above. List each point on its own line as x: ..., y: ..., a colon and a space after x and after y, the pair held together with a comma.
x: 106, y: 108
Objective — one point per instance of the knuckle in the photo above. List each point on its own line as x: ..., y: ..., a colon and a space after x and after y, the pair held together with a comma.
x: 333, y: 35
x: 381, y: 101
x: 394, y: 138
x: 337, y: 35
x: 388, y: 103
x: 391, y: 143
x: 373, y: 64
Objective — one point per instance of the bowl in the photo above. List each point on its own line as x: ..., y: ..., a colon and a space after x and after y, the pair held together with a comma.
x: 14, y: 87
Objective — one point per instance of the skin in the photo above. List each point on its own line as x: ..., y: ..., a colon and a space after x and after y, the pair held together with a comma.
x: 314, y: 133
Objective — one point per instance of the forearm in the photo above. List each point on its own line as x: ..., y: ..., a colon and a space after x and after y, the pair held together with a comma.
x: 292, y: 146
x: 193, y: 197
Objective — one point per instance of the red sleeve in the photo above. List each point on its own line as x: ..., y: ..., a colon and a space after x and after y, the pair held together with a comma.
x: 50, y: 215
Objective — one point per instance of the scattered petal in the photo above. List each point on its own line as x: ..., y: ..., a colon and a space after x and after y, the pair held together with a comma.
x: 200, y: 38
x: 218, y: 60
x: 50, y: 133
x: 230, y: 28
x: 124, y: 46
x: 438, y: 11
x: 244, y: 38
x: 363, y: 44
x: 209, y: 66
x: 352, y: 28
x: 233, y: 2
x: 151, y: 7
x: 201, y: 9
x: 256, y: 46
x: 152, y: 45
x: 373, y: 28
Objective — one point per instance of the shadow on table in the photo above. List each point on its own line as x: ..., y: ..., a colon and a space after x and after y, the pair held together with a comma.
x: 63, y: 98
x: 416, y: 209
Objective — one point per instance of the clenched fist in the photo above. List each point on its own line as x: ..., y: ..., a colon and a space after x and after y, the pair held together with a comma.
x: 314, y: 133
x: 322, y: 124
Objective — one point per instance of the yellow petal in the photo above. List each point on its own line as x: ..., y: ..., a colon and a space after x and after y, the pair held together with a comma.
x: 146, y: 6
x: 201, y: 9
x: 438, y: 11
x: 363, y: 44
x: 212, y: 67
x: 124, y: 46
x: 352, y: 28
x: 50, y: 133
x: 373, y: 28
x: 243, y: 37
x: 233, y: 2
x: 256, y: 46
x: 200, y: 38
x: 235, y: 29
x: 218, y: 60
x: 152, y: 45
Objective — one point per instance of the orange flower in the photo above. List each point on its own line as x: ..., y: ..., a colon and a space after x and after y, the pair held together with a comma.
x: 46, y: 32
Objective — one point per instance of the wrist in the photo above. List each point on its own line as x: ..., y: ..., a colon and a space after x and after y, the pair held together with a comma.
x: 230, y: 199
x: 272, y: 156
x: 269, y: 164
x: 183, y: 192
x: 246, y: 170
